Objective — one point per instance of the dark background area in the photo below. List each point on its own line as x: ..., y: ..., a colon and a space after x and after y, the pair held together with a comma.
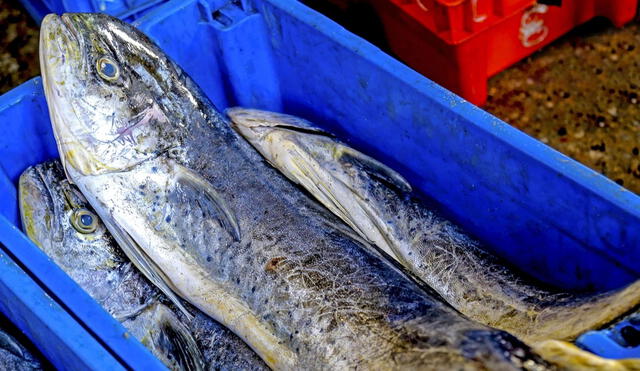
x: 18, y: 45
x: 580, y: 95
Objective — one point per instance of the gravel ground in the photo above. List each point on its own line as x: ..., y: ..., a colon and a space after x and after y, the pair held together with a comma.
x: 18, y: 45
x: 580, y: 95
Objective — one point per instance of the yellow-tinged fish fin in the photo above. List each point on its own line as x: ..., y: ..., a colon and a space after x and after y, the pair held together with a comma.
x: 174, y: 339
x: 315, y: 184
x: 372, y: 167
x: 140, y: 259
x: 187, y: 179
x: 569, y: 357
x: 273, y: 119
x: 310, y: 179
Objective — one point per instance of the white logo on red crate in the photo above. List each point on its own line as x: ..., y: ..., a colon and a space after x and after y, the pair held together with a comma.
x: 474, y: 9
x: 533, y: 31
x: 422, y: 6
x: 478, y: 18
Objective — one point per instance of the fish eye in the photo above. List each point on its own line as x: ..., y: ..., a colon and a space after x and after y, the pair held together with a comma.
x: 84, y: 221
x: 107, y: 69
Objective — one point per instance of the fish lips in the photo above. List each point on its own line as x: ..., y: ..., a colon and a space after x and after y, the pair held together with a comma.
x: 59, y: 38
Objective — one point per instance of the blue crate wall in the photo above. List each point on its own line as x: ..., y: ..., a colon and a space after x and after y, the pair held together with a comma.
x: 125, y: 9
x: 551, y: 216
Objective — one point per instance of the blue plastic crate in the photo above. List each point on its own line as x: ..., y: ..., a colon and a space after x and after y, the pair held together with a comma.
x: 125, y: 9
x: 547, y: 214
x: 551, y: 216
x: 618, y: 342
x: 63, y: 321
x: 59, y: 337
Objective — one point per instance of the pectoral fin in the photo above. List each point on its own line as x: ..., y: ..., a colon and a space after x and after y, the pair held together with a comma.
x: 142, y: 261
x: 159, y: 329
x: 202, y: 196
x: 373, y: 167
x: 9, y: 344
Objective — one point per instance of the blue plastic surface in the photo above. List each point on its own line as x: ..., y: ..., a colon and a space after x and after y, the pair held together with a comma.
x: 125, y: 9
x: 619, y: 341
x: 551, y: 216
x: 547, y: 214
x: 65, y: 343
x: 26, y: 139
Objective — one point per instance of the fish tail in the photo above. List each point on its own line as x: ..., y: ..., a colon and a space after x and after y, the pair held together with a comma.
x: 567, y: 320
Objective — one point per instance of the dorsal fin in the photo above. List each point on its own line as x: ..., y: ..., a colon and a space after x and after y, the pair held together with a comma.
x: 373, y: 167
x: 140, y: 259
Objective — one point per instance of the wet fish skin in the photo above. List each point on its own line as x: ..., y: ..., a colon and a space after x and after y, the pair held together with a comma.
x: 377, y: 203
x: 205, y: 218
x: 14, y: 355
x: 221, y: 348
x: 48, y: 204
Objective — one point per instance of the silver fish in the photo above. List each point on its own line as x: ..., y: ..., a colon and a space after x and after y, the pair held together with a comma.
x: 207, y: 220
x: 13, y: 354
x: 377, y: 203
x: 57, y: 217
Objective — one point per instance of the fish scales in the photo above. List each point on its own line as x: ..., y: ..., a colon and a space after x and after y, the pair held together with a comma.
x: 378, y: 203
x: 321, y: 302
x: 13, y: 354
x: 206, y: 219
x: 48, y: 205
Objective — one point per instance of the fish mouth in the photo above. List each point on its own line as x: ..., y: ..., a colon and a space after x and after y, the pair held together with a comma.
x: 51, y: 53
x: 38, y: 210
x: 254, y: 123
x: 61, y: 57
x: 58, y: 40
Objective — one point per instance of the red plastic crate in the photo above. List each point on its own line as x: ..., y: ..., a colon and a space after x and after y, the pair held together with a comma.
x: 461, y: 43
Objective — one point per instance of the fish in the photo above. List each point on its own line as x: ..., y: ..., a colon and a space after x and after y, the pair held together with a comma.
x: 14, y: 355
x: 379, y: 204
x: 208, y: 221
x: 59, y: 220
x: 576, y: 359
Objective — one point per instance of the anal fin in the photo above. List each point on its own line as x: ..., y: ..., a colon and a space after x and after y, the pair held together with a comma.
x: 142, y: 261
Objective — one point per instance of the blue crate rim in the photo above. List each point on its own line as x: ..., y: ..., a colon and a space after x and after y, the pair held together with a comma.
x: 58, y: 321
x: 580, y: 174
x: 63, y: 290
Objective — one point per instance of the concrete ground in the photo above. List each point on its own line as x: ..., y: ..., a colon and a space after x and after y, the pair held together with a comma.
x: 580, y: 95
x: 18, y: 45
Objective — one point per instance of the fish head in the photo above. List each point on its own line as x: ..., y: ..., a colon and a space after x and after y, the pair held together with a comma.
x: 56, y: 216
x: 271, y: 133
x: 338, y: 176
x: 255, y: 124
x: 107, y: 87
